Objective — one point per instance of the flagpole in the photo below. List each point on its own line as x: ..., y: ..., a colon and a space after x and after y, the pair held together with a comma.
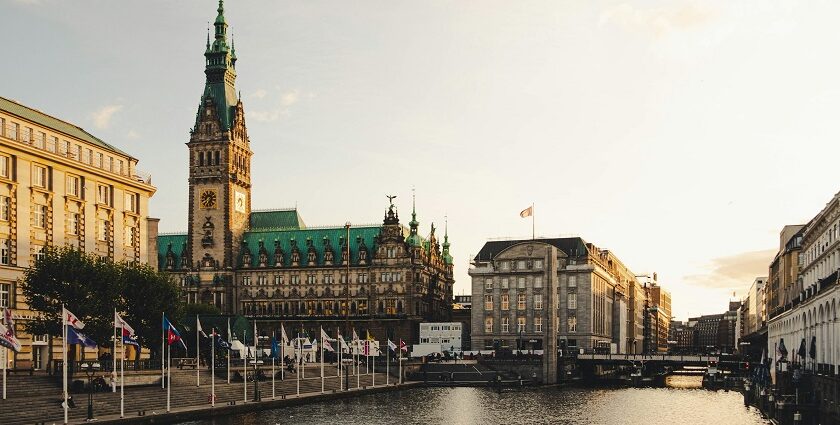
x: 274, y: 338
x: 533, y: 226
x: 340, y: 343
x: 168, y: 378
x: 197, y: 356
x: 399, y: 351
x: 282, y: 353
x: 64, y: 359
x: 213, y: 370
x: 297, y: 363
x: 5, y: 363
x: 245, y: 367
x: 122, y: 375
x: 162, y: 351
x: 322, y: 359
x: 387, y: 362
x: 114, y: 356
x: 228, y: 351
x: 372, y: 368
x: 356, y: 353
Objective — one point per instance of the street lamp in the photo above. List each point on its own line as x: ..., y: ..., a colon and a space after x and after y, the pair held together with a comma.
x: 90, y: 369
x: 257, y: 364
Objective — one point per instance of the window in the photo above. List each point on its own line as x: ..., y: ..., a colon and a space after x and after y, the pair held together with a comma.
x: 520, y: 324
x: 538, y: 324
x: 504, y: 283
x: 12, y: 130
x: 100, y: 160
x: 103, y: 194
x: 102, y: 230
x: 131, y: 202
x: 5, y: 295
x: 520, y: 302
x: 73, y: 223
x: 119, y: 166
x: 572, y: 323
x: 89, y: 156
x: 520, y: 265
x: 504, y: 265
x: 520, y: 283
x: 295, y: 279
x: 4, y: 251
x: 246, y: 280
x: 39, y: 253
x: 572, y: 281
x: 26, y: 135
x: 5, y: 166
x: 488, y: 302
x: 505, y: 302
x: 572, y: 301
x: 5, y: 208
x: 505, y: 324
x: 262, y: 280
x: 40, y: 139
x: 66, y: 149
x: 73, y: 185
x: 538, y: 264
x: 278, y: 279
x: 39, y: 216
x: 537, y: 301
x: 488, y: 284
x: 538, y: 282
x: 53, y: 146
x: 39, y: 176
x: 129, y: 236
x: 488, y: 325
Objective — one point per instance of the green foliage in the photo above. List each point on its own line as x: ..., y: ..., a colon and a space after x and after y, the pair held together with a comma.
x: 91, y: 288
x: 190, y: 310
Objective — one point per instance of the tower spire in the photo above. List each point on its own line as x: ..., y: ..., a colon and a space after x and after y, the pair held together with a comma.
x: 220, y: 69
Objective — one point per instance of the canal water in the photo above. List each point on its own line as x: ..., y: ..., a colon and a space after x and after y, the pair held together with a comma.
x: 682, y: 402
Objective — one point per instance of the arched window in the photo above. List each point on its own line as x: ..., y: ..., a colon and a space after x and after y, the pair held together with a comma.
x: 201, y: 158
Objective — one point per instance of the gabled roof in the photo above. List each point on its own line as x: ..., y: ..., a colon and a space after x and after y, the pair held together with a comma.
x: 53, y: 123
x: 280, y: 219
x: 573, y: 247
x: 252, y: 238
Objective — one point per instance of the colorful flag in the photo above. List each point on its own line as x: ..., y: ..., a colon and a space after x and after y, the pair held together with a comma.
x: 7, y: 332
x: 76, y: 337
x: 72, y: 320
x: 527, y: 212
x: 403, y: 346
x: 172, y: 334
x: 119, y: 322
x: 355, y: 335
x: 221, y: 343
x: 369, y: 336
x: 275, y: 348
x: 128, y: 338
x: 392, y: 346
x: 283, y: 337
x: 198, y: 327
x: 326, y: 341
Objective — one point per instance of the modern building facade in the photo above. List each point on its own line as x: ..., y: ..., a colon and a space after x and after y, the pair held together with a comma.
x: 269, y: 265
x: 525, y: 289
x: 439, y: 338
x: 62, y: 186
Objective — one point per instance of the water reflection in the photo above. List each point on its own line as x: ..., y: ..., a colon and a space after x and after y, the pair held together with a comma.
x: 683, y: 403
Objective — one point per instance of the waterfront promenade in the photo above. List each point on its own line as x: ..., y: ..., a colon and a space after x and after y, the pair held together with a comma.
x: 33, y: 400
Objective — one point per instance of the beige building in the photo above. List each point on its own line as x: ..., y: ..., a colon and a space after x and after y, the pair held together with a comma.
x: 782, y: 286
x: 62, y: 186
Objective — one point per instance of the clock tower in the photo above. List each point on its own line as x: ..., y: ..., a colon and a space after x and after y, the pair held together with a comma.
x: 220, y: 166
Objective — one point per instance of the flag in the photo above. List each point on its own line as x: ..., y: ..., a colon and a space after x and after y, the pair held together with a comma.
x: 527, y: 212
x: 7, y: 332
x: 72, y: 320
x: 355, y: 335
x: 403, y: 347
x: 782, y: 350
x: 198, y: 328
x: 119, y: 322
x: 813, y: 352
x: 128, y: 338
x: 275, y: 348
x: 76, y: 337
x: 342, y: 344
x: 326, y: 341
x: 369, y: 336
x: 801, y: 352
x: 366, y: 348
x: 221, y: 343
x: 172, y: 335
x: 392, y: 346
x: 283, y: 337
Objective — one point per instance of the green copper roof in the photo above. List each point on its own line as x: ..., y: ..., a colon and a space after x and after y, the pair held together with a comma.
x: 178, y: 241
x: 285, y: 219
x: 56, y: 124
x: 220, y: 69
x: 317, y: 235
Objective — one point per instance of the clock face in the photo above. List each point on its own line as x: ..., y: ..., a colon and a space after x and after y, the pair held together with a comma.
x: 239, y: 201
x: 208, y: 199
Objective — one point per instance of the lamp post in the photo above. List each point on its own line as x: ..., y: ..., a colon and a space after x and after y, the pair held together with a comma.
x: 257, y: 364
x: 90, y: 369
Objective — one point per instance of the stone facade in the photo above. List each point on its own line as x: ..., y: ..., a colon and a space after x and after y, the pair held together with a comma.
x: 62, y: 186
x: 521, y: 287
x: 268, y: 265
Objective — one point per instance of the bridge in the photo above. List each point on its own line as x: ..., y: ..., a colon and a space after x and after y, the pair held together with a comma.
x: 675, y: 359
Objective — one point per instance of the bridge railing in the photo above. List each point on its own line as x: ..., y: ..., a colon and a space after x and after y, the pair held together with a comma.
x: 651, y: 357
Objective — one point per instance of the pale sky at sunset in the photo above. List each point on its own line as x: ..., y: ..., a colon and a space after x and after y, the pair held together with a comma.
x: 680, y: 135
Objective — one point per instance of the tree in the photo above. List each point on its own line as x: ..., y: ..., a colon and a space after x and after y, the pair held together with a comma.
x: 190, y: 310
x: 91, y: 288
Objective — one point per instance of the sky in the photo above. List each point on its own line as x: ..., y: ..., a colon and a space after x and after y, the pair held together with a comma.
x: 680, y: 135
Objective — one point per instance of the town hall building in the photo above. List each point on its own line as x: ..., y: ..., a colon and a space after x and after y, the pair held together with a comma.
x: 270, y: 266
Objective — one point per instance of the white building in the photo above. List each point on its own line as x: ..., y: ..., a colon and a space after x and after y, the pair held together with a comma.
x: 439, y: 337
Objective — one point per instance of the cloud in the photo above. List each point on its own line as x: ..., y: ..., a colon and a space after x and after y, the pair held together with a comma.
x: 132, y: 135
x: 286, y: 100
x: 290, y: 98
x: 259, y: 94
x: 735, y: 271
x: 102, y: 117
x: 660, y: 21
